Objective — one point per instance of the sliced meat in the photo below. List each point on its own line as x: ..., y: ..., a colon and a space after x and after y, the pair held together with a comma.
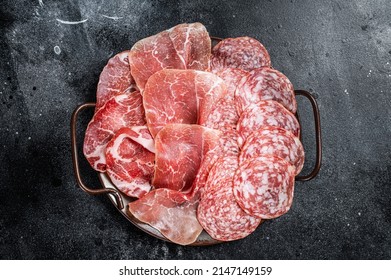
x: 185, y: 46
x: 229, y: 142
x: 225, y: 114
x: 129, y: 161
x: 266, y: 113
x: 114, y: 79
x: 124, y: 110
x: 223, y: 168
x: 266, y: 84
x: 271, y: 140
x: 167, y: 211
x: 263, y: 186
x: 180, y: 96
x: 221, y: 216
x: 243, y: 52
x: 180, y: 149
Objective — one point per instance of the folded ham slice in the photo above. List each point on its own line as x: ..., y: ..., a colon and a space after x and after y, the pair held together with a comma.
x: 185, y: 46
x: 124, y: 110
x: 180, y: 150
x: 180, y: 96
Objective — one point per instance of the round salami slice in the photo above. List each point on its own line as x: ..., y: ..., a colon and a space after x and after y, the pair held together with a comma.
x: 223, y: 116
x: 243, y: 52
x: 266, y: 84
x: 229, y: 142
x: 266, y: 113
x: 221, y: 216
x: 263, y: 186
x: 222, y: 169
x: 271, y: 140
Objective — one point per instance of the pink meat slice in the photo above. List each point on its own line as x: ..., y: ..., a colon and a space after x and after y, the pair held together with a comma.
x: 263, y: 186
x: 167, y: 211
x: 271, y: 140
x: 223, y: 168
x: 221, y: 216
x: 243, y: 52
x: 266, y: 113
x: 266, y: 84
x: 185, y: 46
x: 130, y: 161
x: 180, y: 149
x: 180, y: 96
x: 114, y: 79
x: 124, y: 110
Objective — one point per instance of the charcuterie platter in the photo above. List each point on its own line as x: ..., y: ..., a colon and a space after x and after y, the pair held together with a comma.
x: 196, y: 144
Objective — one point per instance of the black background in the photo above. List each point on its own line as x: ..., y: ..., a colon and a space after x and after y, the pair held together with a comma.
x: 338, y: 50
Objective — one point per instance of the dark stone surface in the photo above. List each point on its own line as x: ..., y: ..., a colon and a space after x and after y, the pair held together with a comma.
x: 339, y: 50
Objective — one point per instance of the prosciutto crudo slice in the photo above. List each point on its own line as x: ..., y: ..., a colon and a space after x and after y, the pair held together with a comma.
x: 180, y: 150
x: 167, y: 211
x: 185, y: 46
x: 242, y: 52
x: 114, y: 79
x: 266, y: 84
x: 180, y: 96
x: 124, y: 110
x: 130, y: 160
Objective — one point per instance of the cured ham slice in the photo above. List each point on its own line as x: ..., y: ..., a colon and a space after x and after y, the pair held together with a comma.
x: 263, y: 186
x: 124, y: 110
x: 114, y: 79
x: 185, y: 46
x: 266, y: 113
x: 180, y: 149
x: 266, y: 84
x: 130, y: 160
x: 167, y: 211
x: 180, y: 96
x: 243, y: 52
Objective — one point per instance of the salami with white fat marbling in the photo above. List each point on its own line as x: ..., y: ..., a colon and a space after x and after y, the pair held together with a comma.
x: 263, y: 186
x: 271, y: 140
x: 242, y: 52
x: 266, y: 113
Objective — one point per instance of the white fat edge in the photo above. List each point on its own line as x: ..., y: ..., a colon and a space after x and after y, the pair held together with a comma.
x: 148, y: 144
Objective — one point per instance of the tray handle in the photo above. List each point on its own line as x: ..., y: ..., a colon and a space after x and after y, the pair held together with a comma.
x: 318, y: 137
x: 75, y: 159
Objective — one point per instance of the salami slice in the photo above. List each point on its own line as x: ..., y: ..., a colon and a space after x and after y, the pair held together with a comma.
x: 129, y: 161
x: 243, y: 52
x: 114, y: 79
x: 266, y: 84
x: 221, y: 216
x: 266, y: 113
x: 271, y: 140
x: 223, y: 116
x: 223, y: 168
x: 263, y: 186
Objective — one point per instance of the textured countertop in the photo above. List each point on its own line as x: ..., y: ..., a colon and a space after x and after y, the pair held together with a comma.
x: 338, y: 50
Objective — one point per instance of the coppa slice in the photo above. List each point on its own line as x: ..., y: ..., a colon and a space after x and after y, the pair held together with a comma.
x: 180, y: 149
x: 114, y: 79
x: 271, y: 140
x: 124, y: 110
x: 221, y: 216
x: 130, y: 161
x: 180, y: 96
x: 266, y: 113
x: 185, y: 46
x: 243, y: 52
x: 266, y: 84
x: 263, y: 186
x: 167, y: 211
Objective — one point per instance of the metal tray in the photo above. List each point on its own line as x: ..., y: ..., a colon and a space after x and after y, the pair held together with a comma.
x: 121, y: 201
